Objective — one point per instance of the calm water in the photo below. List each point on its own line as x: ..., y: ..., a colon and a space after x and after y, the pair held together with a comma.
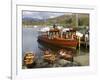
x: 30, y: 43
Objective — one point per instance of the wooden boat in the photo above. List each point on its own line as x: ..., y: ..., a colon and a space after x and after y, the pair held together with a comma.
x: 49, y: 57
x: 55, y: 38
x: 67, y: 55
x: 29, y: 59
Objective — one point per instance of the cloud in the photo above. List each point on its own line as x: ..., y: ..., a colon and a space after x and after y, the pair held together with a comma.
x: 27, y: 13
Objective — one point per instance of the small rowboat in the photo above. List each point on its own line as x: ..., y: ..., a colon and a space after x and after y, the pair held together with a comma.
x: 29, y: 59
x: 49, y: 57
x: 67, y: 55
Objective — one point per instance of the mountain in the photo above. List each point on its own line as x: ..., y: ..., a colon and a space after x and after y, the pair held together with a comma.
x: 63, y: 20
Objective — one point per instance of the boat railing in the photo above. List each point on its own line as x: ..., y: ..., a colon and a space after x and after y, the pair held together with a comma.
x: 71, y: 35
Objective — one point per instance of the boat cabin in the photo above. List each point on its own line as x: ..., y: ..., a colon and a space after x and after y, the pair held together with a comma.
x: 71, y: 34
x: 53, y: 33
x: 59, y: 34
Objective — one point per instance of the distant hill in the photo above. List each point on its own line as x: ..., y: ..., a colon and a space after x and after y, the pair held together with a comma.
x: 64, y: 20
x: 61, y: 20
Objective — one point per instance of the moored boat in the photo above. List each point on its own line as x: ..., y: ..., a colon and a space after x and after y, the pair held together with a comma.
x: 66, y: 55
x: 49, y: 57
x: 58, y: 38
x: 29, y: 59
x: 58, y: 42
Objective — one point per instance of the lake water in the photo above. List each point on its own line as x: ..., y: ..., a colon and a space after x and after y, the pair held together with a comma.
x: 29, y: 41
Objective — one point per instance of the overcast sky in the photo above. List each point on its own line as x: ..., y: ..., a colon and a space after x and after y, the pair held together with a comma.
x: 41, y: 15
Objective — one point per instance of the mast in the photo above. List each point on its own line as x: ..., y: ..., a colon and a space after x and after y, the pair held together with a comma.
x: 76, y: 24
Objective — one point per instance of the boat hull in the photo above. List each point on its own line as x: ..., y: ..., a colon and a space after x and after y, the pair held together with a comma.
x: 58, y: 42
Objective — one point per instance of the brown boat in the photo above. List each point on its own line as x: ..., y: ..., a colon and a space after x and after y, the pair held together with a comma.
x: 49, y: 57
x: 67, y: 55
x: 56, y: 38
x: 29, y: 59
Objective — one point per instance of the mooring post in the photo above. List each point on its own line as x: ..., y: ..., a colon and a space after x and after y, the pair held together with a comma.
x: 79, y: 44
